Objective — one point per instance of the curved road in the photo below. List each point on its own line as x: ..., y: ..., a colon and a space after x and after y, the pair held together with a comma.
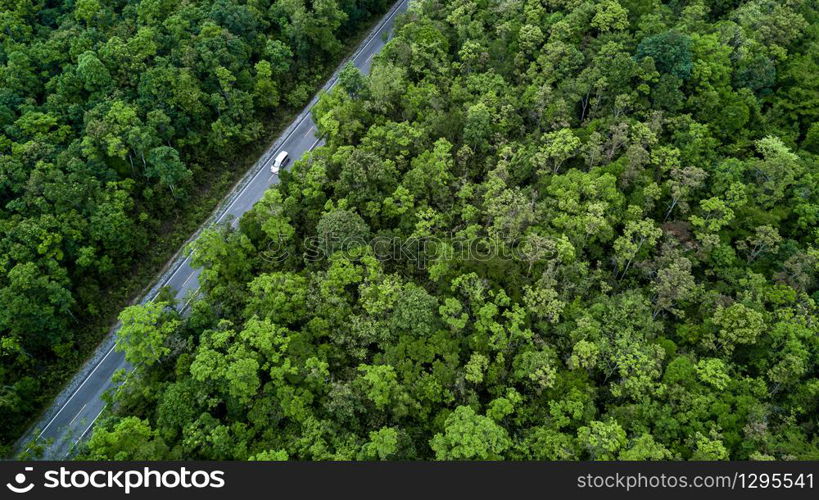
x: 80, y: 405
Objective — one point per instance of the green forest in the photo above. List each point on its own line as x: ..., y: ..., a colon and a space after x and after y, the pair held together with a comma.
x: 116, y: 117
x: 541, y: 229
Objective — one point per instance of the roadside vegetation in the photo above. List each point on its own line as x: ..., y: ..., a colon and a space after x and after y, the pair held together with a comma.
x: 122, y: 124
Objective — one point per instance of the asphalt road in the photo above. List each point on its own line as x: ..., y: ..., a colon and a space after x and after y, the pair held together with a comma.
x: 81, y: 405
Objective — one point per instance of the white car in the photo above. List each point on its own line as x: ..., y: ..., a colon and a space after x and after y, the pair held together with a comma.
x: 281, y: 160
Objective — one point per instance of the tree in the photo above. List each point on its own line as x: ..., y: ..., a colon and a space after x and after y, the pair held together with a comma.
x: 709, y: 449
x: 530, y: 38
x: 380, y: 384
x: 224, y: 255
x: 91, y: 71
x: 478, y: 126
x: 476, y: 367
x: 559, y: 147
x: 385, y: 89
x: 537, y: 368
x: 364, y: 177
x: 266, y: 90
x: 164, y: 164
x: 645, y: 448
x: 610, y: 16
x: 777, y: 169
x: 716, y: 214
x: 628, y: 246
x: 671, y: 52
x: 811, y: 142
x: 282, y: 297
x: 270, y: 456
x: 681, y: 184
x: 341, y: 230
x: 469, y: 436
x: 674, y: 284
x: 130, y: 439
x: 382, y: 445
x: 36, y: 306
x: 235, y: 361
x: 770, y: 22
x: 351, y: 80
x: 585, y: 206
x: 87, y: 10
x: 602, y: 440
x: 145, y: 330
x: 757, y: 72
x: 765, y: 239
x: 738, y: 324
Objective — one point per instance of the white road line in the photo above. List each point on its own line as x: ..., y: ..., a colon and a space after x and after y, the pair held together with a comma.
x: 189, y: 278
x: 78, y: 414
x: 170, y: 278
x: 192, y: 296
x: 309, y: 131
x: 264, y: 168
x: 91, y: 424
x: 375, y: 37
x: 76, y: 390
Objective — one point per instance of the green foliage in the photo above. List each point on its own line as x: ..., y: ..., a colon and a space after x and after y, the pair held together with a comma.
x: 114, y: 117
x: 144, y: 333
x: 571, y: 231
x: 341, y: 229
x: 129, y: 439
x: 468, y: 436
x: 671, y: 52
x: 602, y: 440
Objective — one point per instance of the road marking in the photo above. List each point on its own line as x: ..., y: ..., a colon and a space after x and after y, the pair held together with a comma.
x: 309, y: 131
x: 334, y: 81
x: 192, y: 296
x: 170, y: 278
x: 189, y: 278
x: 91, y: 424
x: 78, y: 414
x: 264, y: 168
x: 76, y: 390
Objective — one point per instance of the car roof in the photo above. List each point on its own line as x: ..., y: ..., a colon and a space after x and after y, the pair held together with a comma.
x: 281, y: 155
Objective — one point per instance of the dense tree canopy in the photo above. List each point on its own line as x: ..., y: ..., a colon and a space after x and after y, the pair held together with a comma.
x: 113, y: 113
x: 542, y: 229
